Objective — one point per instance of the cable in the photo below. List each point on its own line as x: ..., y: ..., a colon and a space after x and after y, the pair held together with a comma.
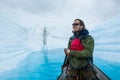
x: 57, y: 37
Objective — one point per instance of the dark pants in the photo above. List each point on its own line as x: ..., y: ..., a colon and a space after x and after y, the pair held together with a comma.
x: 79, y: 74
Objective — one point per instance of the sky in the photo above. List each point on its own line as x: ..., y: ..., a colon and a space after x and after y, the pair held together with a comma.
x: 59, y: 13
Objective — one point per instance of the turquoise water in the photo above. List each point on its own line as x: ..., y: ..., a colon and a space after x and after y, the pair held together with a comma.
x: 46, y: 66
x: 111, y: 69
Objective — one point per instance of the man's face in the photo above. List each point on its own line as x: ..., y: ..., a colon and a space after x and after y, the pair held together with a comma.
x: 76, y: 26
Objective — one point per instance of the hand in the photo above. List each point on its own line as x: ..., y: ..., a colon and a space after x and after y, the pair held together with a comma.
x: 67, y: 51
x: 62, y: 67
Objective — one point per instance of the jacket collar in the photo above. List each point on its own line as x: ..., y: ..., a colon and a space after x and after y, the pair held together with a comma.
x: 81, y: 33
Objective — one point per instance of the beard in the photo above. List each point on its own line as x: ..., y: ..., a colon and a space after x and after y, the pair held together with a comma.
x: 75, y: 31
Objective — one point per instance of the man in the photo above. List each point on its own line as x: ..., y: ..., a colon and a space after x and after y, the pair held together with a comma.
x: 79, y: 54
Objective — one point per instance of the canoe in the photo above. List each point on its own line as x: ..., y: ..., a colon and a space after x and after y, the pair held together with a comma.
x: 99, y: 73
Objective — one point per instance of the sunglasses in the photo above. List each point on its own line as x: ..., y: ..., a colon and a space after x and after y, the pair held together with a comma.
x: 75, y: 24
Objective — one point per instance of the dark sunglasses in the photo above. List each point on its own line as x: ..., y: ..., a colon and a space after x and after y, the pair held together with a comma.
x: 75, y: 24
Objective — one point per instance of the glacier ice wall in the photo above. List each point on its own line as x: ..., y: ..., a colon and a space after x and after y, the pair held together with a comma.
x: 107, y: 40
x: 13, y: 47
